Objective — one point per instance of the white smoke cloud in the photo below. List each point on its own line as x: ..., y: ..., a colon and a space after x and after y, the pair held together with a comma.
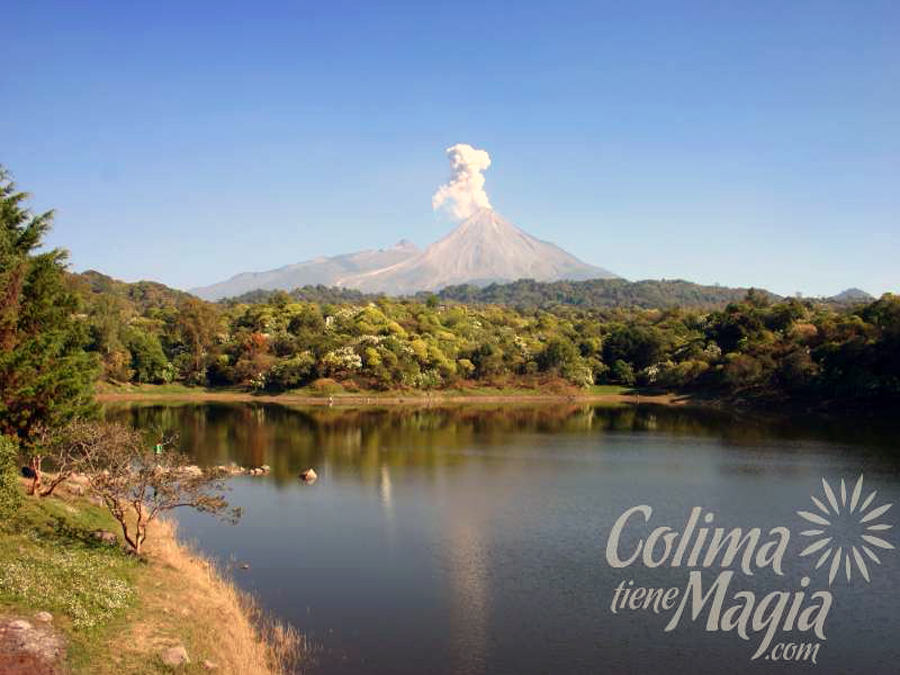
x: 464, y: 194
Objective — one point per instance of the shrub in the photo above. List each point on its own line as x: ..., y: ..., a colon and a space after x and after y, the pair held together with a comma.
x: 10, y: 494
x: 326, y: 385
x: 622, y: 373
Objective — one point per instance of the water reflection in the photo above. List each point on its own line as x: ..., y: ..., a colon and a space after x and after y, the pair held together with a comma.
x: 370, y: 441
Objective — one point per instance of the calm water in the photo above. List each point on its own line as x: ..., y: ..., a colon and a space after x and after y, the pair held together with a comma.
x: 473, y: 540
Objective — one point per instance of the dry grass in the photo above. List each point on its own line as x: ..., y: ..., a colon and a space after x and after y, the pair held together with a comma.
x: 185, y: 600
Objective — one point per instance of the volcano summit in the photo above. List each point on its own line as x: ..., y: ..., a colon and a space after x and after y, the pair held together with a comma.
x: 483, y: 249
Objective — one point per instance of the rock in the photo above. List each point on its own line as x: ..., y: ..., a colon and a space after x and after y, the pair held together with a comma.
x: 175, y: 656
x: 231, y: 469
x: 19, y: 624
x: 105, y: 536
x: 209, y: 665
x: 309, y: 475
x: 44, y: 617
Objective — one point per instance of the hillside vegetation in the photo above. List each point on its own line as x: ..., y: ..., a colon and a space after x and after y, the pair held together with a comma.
x: 754, y: 345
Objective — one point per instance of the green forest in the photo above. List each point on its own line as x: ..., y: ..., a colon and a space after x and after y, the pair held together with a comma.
x: 756, y: 347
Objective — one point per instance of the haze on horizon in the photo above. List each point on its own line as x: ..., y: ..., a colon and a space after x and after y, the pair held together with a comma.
x: 742, y: 145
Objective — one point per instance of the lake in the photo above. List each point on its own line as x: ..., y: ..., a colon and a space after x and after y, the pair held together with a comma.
x: 474, y: 539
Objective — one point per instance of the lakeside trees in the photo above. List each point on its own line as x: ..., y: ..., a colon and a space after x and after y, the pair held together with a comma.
x: 46, y: 375
x: 753, y: 347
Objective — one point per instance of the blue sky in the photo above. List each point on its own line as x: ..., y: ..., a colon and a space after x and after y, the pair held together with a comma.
x: 744, y: 143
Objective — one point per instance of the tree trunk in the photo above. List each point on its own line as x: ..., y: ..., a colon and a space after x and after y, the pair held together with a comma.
x: 56, y: 481
x: 36, y: 480
x: 135, y: 546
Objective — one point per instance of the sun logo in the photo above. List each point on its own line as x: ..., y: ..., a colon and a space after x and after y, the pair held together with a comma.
x: 846, y: 532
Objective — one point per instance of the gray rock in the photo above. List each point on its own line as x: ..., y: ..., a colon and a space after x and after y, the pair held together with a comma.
x: 175, y: 656
x: 105, y: 536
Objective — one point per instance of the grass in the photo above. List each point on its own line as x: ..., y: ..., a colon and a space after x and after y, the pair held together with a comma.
x: 118, y: 612
x: 49, y: 562
x: 175, y: 389
x: 153, y: 389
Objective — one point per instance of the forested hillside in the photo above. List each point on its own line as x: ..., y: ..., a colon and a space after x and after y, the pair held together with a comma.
x: 595, y: 294
x: 600, y: 293
x: 755, y: 346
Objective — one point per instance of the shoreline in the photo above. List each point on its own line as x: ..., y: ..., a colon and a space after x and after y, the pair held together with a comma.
x: 173, y: 598
x: 414, y: 399
x: 763, y: 408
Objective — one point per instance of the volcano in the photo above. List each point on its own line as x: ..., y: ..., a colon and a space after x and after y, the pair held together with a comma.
x: 483, y: 249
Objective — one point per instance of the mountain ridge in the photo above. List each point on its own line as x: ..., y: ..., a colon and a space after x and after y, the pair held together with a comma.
x: 324, y: 270
x: 483, y: 249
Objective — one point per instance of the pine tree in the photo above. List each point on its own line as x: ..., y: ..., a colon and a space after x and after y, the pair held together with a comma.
x: 46, y: 377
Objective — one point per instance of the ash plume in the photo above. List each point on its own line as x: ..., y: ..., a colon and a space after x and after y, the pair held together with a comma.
x: 464, y: 193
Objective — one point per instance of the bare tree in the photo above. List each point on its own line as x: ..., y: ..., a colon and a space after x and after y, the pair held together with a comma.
x: 138, y: 482
x: 64, y: 448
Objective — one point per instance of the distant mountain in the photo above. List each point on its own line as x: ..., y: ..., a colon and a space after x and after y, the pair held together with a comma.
x: 324, y: 271
x: 852, y: 295
x: 483, y: 249
x: 600, y: 293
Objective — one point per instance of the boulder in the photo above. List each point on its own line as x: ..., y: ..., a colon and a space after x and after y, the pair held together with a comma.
x: 105, y: 536
x: 309, y: 476
x: 175, y: 656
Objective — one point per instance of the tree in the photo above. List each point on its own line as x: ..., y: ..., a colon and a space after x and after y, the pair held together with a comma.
x: 622, y: 372
x: 46, y: 377
x: 148, y: 362
x: 136, y: 483
x: 639, y: 345
x: 196, y: 325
